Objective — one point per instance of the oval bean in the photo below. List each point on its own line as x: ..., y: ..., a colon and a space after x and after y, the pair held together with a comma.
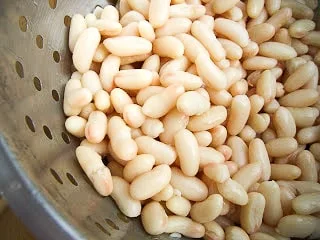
x: 179, y: 205
x: 154, y: 218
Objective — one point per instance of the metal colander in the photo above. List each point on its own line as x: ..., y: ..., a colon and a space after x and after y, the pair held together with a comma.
x: 39, y: 174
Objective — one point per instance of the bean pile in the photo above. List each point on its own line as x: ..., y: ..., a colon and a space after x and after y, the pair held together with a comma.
x: 209, y: 111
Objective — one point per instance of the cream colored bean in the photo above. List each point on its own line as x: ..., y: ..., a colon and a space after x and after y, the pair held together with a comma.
x: 174, y: 26
x: 282, y: 36
x: 273, y: 211
x: 308, y: 135
x: 233, y: 192
x: 286, y: 197
x: 312, y: 38
x: 219, y: 135
x: 307, y: 203
x: 160, y: 104
x: 76, y: 97
x: 281, y: 146
x: 306, y: 162
x: 254, y: 8
x: 234, y: 14
x: 185, y: 226
x: 150, y: 183
x: 192, y: 103
x: 233, y: 50
x: 191, y: 11
x: 210, y: 119
x: 165, y: 194
x: 172, y: 123
x: 315, y: 150
x: 152, y: 63
x: 301, y: 186
x: 128, y: 46
x: 168, y: 46
x: 258, y: 20
x: 124, y: 7
x: 191, y: 188
x: 133, y: 79
x: 212, y: 76
x: 96, y: 127
x: 259, y: 122
x: 299, y: 10
x: 76, y: 126
x: 100, y: 54
x: 280, y: 18
x: 92, y: 165
x: 220, y: 97
x: 140, y: 6
x: 214, y: 231
x: 102, y: 100
x: 209, y: 40
x: 101, y: 148
x: 234, y: 233
x: 116, y: 158
x: 279, y: 90
x: 208, y: 21
x: 131, y: 29
x: 90, y: 19
x: 154, y: 218
x: 300, y: 47
x: 239, y: 114
x: 261, y: 32
x: 159, y: 12
x: 77, y: 26
x: 299, y: 98
x: 175, y: 65
x: 210, y: 155
x: 299, y: 226
x: 179, y: 206
x: 226, y: 151
x: 259, y: 63
x: 313, y: 83
x: 284, y: 123
x: 109, y: 68
x: 268, y: 135
x: 120, y: 194
x: 152, y: 127
x: 84, y: 49
x: 146, y: 30
x: 204, y: 138
x: 217, y: 172
x: 300, y: 76
x: 239, y: 88
x: 139, y: 165
x: 147, y: 92
x: 249, y: 175
x: 271, y: 231
x: 276, y: 50
x: 87, y: 110
x: 233, y: 74
x: 119, y: 99
x: 284, y: 172
x: 221, y: 6
x: 189, y: 81
x: 110, y: 13
x: 163, y: 153
x: 224, y: 222
x: 133, y: 116
x: 256, y: 103
x: 233, y: 31
x: 188, y: 152
x: 250, y: 50
x: 261, y: 236
x: 239, y: 150
x: 272, y: 6
x: 251, y: 214
x: 192, y: 47
x: 107, y: 28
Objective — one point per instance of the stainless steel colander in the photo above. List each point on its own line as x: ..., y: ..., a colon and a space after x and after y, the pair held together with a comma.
x: 39, y: 174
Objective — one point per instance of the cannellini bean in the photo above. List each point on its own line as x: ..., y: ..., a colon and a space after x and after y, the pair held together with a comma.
x: 247, y: 133
x: 307, y: 203
x: 239, y: 150
x: 280, y: 18
x: 251, y: 214
x: 92, y: 165
x: 248, y: 175
x: 102, y: 100
x: 232, y: 30
x: 208, y: 21
x: 212, y: 76
x: 302, y: 186
x: 192, y: 103
x: 280, y: 147
x: 214, y: 231
x: 261, y: 236
x: 191, y: 188
x: 300, y: 98
x: 152, y: 63
x: 122, y: 144
x: 284, y: 123
x: 192, y: 11
x: 168, y: 46
x: 261, y: 32
x: 299, y: 10
x: 254, y: 8
x: 172, y: 123
x: 219, y: 135
x: 163, y: 153
x: 233, y: 233
x: 96, y: 127
x: 139, y: 165
x: 159, y: 12
x: 107, y: 27
x: 211, y: 118
x: 306, y: 162
x: 175, y: 65
x: 299, y: 46
x: 119, y: 99
x: 210, y: 155
x: 189, y: 81
x: 133, y: 116
x: 234, y: 14
x: 127, y: 205
x: 140, y: 6
x: 150, y: 183
x: 174, y: 26
x: 273, y: 211
x: 239, y: 114
x: 152, y: 127
x: 131, y: 29
x: 154, y: 218
x: 101, y: 148
x: 268, y: 134
x: 165, y: 194
x: 282, y: 36
x: 233, y: 192
x: 286, y: 197
x: 200, y: 31
x: 312, y: 38
x: 276, y: 50
x: 239, y: 88
x: 146, y: 93
x: 272, y: 6
x: 226, y: 152
x: 87, y: 110
x: 259, y: 122
x: 204, y: 138
x: 300, y: 226
x: 207, y: 210
x: 217, y: 172
x: 220, y: 97
x: 220, y: 6
x: 315, y: 150
x: 133, y: 79
x: 110, y: 13
x: 160, y: 104
x: 77, y: 26
x: 250, y: 50
x: 308, y: 135
x: 146, y: 30
x: 192, y: 47
x: 100, y: 54
x: 109, y: 68
x: 233, y: 50
x: 259, y: 63
x: 284, y: 172
x: 185, y: 226
x: 179, y: 206
x: 76, y: 126
x: 263, y: 16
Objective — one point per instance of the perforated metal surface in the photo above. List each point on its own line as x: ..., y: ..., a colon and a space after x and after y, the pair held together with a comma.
x: 34, y: 68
